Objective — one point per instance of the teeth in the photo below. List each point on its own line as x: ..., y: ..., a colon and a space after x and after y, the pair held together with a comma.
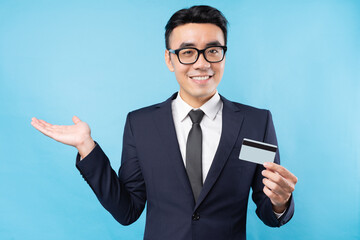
x: 201, y: 78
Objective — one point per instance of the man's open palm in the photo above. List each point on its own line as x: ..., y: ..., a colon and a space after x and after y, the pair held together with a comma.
x: 73, y: 135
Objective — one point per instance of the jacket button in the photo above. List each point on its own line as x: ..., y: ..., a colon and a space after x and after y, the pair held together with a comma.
x: 195, y: 216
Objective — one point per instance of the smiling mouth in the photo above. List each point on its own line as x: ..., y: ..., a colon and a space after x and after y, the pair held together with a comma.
x: 201, y: 78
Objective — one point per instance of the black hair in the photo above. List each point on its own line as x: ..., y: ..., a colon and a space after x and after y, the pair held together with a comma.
x: 196, y: 14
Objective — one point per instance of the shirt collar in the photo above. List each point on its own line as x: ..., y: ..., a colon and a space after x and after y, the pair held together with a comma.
x: 210, y: 108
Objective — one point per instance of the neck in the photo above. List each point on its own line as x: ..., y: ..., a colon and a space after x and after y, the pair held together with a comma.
x: 195, y: 102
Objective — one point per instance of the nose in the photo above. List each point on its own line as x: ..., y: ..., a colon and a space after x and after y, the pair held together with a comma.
x: 201, y: 63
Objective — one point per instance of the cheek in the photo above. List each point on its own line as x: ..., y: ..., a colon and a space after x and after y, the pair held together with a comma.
x: 219, y: 69
x: 221, y: 66
x: 181, y: 70
x: 180, y: 76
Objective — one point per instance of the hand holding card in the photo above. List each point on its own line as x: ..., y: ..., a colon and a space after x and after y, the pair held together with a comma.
x: 279, y: 183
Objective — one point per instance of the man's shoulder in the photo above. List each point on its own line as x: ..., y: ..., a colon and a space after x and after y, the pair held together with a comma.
x: 246, y: 109
x: 145, y: 110
x: 151, y: 109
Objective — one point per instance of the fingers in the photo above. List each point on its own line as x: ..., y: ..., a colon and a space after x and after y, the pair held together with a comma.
x: 274, y: 197
x: 46, y: 128
x: 76, y: 119
x: 281, y: 170
x: 41, y: 122
x: 287, y: 184
x: 274, y: 187
x: 44, y: 123
x: 42, y: 127
x: 279, y: 183
x: 277, y: 195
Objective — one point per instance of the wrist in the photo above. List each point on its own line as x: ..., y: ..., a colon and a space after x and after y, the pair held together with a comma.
x: 86, y: 147
x: 279, y: 209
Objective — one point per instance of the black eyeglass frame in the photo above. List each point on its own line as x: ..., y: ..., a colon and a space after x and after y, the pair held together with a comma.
x: 176, y: 51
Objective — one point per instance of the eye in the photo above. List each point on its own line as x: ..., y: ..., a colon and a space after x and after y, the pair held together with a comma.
x: 187, y: 52
x: 213, y: 51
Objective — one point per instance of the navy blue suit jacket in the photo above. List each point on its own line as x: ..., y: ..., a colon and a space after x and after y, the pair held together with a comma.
x: 152, y: 171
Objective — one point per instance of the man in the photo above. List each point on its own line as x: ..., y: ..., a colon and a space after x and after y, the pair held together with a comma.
x: 182, y: 156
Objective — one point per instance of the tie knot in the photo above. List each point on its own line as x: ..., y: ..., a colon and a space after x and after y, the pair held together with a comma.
x: 196, y: 116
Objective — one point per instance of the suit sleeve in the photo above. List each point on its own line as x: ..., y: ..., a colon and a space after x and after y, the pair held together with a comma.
x: 124, y: 196
x: 264, y: 207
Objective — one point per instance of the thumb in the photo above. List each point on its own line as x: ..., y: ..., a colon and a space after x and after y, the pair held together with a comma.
x: 76, y: 119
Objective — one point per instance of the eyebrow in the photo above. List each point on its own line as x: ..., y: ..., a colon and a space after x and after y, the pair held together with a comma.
x: 213, y: 43
x: 187, y: 44
x: 190, y: 44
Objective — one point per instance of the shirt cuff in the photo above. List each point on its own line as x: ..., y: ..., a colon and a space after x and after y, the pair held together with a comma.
x: 278, y: 215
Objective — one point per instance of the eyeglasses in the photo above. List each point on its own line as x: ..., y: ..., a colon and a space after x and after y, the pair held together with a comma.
x: 190, y: 55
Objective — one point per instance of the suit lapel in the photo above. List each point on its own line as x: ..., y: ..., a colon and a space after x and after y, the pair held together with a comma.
x: 232, y: 120
x: 164, y: 122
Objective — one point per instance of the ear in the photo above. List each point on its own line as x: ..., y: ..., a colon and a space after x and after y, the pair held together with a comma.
x: 168, y: 61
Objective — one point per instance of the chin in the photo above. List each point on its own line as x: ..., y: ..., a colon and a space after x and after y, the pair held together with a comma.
x: 203, y: 94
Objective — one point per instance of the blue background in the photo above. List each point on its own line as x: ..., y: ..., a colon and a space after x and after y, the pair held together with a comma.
x: 101, y: 59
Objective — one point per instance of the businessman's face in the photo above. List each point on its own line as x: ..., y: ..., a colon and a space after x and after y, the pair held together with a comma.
x: 198, y: 81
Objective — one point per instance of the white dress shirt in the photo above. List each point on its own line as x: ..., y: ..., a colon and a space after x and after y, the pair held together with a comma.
x: 211, y: 126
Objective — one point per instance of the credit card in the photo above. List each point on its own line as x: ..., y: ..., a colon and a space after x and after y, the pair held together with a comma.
x: 257, y: 152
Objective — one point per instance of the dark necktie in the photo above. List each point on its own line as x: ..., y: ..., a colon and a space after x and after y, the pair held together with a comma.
x: 194, y: 153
